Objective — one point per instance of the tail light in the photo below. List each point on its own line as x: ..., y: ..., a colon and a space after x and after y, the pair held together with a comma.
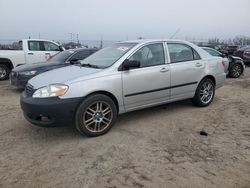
x: 223, y: 63
x: 246, y: 53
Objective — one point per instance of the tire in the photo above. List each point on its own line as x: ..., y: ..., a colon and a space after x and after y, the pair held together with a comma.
x: 236, y: 70
x: 4, y: 72
x: 247, y: 64
x: 92, y: 117
x: 206, y: 85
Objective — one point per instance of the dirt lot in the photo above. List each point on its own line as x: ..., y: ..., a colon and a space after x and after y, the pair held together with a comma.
x: 157, y: 147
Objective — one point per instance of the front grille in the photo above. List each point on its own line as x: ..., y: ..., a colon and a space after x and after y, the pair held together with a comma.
x: 29, y: 90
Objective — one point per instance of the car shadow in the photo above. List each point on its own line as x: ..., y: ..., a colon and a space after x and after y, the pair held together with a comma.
x: 69, y: 132
x: 152, y: 111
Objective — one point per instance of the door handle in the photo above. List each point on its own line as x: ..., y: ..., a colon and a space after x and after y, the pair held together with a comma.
x: 198, y: 64
x: 30, y: 53
x: 164, y: 69
x: 47, y: 53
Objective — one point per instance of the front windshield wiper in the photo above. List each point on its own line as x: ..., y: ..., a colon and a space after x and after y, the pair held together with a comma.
x: 90, y: 65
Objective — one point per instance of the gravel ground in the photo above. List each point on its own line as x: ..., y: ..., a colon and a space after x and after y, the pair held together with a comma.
x: 156, y: 147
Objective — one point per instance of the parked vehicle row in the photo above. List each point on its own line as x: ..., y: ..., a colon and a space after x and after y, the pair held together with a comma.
x: 31, y: 51
x: 124, y: 77
x: 244, y: 53
x: 236, y: 65
x: 20, y: 75
x: 229, y: 49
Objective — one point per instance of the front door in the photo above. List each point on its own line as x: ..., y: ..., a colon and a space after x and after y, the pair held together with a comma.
x: 149, y: 84
x: 50, y: 49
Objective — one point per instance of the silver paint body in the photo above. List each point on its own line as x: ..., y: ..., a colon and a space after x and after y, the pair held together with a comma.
x: 83, y: 81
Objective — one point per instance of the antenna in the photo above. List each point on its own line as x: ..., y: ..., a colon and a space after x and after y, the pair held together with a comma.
x: 177, y: 31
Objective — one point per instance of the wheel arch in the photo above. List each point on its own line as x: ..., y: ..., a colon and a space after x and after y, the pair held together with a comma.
x: 110, y: 95
x: 7, y: 62
x: 211, y: 78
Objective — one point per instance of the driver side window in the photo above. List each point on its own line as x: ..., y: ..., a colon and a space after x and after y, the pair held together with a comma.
x: 150, y: 55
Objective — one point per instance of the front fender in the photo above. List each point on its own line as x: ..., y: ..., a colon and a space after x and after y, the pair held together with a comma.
x: 111, y: 83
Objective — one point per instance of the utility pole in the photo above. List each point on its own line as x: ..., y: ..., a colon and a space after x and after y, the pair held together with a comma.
x: 101, y: 44
x: 70, y: 37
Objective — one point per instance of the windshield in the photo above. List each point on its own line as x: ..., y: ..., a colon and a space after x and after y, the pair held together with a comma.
x: 108, y: 56
x: 62, y: 56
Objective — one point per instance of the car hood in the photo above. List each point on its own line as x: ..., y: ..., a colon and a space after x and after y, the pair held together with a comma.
x: 61, y: 75
x: 36, y: 66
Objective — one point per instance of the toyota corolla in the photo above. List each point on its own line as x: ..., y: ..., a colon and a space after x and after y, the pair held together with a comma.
x: 124, y: 77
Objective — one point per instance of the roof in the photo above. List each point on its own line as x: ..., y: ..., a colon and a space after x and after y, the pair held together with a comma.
x: 152, y: 40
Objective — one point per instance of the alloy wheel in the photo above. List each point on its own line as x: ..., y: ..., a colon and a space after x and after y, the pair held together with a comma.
x: 206, y: 92
x: 98, y: 116
x: 236, y: 71
x: 3, y: 72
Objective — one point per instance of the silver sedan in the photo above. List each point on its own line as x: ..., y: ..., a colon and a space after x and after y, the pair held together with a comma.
x: 124, y: 77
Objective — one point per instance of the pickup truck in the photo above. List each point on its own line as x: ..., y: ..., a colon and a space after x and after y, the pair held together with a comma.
x: 29, y: 51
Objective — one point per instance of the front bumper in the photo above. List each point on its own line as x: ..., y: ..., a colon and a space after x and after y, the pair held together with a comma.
x: 19, y: 81
x: 49, y: 111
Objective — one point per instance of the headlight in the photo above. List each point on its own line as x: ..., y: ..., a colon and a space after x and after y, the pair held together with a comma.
x: 53, y: 90
x: 28, y: 73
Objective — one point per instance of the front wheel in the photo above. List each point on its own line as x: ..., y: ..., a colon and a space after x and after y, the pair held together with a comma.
x: 204, y: 93
x: 96, y: 115
x: 235, y: 71
x: 4, y: 72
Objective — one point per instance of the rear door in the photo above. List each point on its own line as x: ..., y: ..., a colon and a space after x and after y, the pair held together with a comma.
x: 148, y: 84
x: 186, y: 70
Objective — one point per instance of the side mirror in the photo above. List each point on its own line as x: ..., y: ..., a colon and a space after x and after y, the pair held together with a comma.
x: 73, y: 61
x: 61, y: 48
x: 130, y: 64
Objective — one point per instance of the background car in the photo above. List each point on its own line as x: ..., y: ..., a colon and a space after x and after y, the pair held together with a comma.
x: 244, y: 53
x: 28, y: 51
x: 236, y: 65
x: 229, y: 49
x: 21, y: 74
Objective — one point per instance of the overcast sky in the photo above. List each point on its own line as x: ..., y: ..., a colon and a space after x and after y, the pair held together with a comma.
x: 122, y: 19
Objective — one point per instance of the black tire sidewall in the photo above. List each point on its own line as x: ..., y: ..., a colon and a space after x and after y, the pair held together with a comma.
x: 197, y: 99
x: 7, y: 72
x: 85, y: 104
x: 231, y: 73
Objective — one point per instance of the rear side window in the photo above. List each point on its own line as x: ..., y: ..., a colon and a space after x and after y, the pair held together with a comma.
x: 34, y: 46
x: 49, y: 46
x: 212, y: 52
x: 181, y: 52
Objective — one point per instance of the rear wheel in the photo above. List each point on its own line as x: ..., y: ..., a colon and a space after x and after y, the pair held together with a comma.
x: 4, y: 72
x: 204, y: 93
x: 96, y: 115
x: 235, y: 71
